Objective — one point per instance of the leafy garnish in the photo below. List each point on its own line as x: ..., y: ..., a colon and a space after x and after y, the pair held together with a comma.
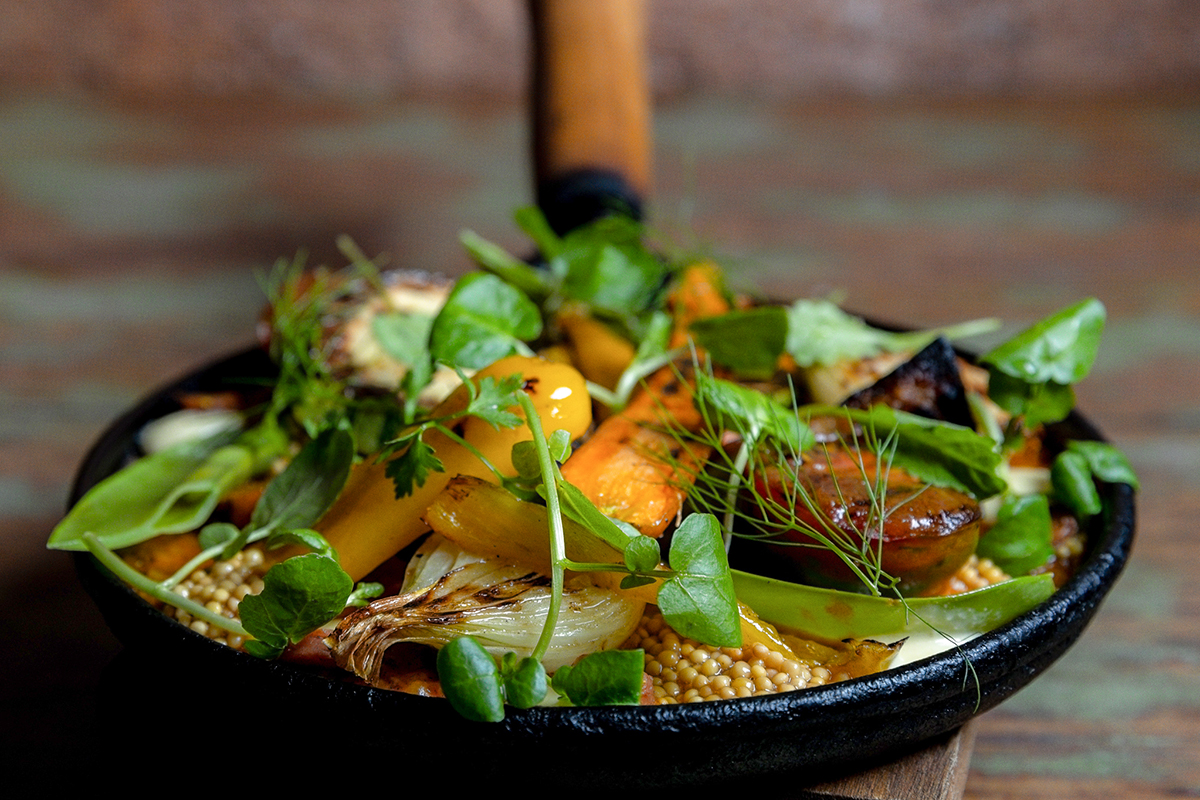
x: 821, y: 333
x: 1020, y: 541
x: 605, y: 678
x: 699, y: 600
x: 298, y: 596
x: 1031, y: 374
x: 171, y: 491
x: 749, y: 342
x: 484, y: 319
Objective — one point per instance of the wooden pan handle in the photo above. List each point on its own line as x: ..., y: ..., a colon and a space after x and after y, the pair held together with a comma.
x: 591, y: 106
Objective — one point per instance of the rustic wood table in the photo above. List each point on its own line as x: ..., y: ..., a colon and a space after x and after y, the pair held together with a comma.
x: 130, y: 234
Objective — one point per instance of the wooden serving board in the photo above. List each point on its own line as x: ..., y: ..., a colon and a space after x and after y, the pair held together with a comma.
x: 936, y: 772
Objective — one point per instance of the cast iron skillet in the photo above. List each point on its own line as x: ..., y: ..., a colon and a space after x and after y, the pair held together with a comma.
x: 592, y: 155
x: 832, y: 727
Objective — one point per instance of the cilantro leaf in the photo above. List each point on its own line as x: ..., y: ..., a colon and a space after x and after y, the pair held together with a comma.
x: 412, y: 467
x: 491, y: 400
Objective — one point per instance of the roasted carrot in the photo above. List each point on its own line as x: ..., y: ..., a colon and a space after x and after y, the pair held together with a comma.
x: 631, y: 468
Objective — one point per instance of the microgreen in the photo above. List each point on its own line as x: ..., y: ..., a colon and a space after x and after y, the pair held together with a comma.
x: 605, y: 678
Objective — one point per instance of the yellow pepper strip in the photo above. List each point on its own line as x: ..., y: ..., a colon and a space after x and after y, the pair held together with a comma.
x: 368, y: 524
x: 599, y: 353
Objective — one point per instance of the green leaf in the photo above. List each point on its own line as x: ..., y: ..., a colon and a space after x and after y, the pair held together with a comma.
x: 307, y: 487
x: 403, y: 336
x: 1020, y: 541
x: 532, y: 221
x: 577, y: 507
x: 831, y: 614
x: 642, y: 554
x: 749, y: 342
x: 412, y: 467
x: 937, y: 452
x: 604, y: 678
x: 699, y: 600
x: 1071, y: 477
x: 364, y: 593
x: 524, y: 680
x: 470, y: 680
x: 1106, y: 462
x: 1036, y: 403
x: 484, y: 319
x: 305, y: 537
x: 492, y: 398
x: 821, y: 333
x: 217, y: 533
x: 299, y: 595
x: 1059, y: 349
x: 607, y: 266
x: 171, y: 491
x: 507, y: 267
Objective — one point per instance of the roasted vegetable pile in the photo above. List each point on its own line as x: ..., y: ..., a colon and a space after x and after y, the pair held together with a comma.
x: 604, y: 478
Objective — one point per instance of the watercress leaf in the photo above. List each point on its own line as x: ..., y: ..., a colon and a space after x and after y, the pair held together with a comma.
x: 608, y: 266
x: 1021, y: 538
x: 412, y: 467
x: 1060, y: 348
x: 470, y: 680
x: 492, y: 398
x: 403, y: 336
x: 604, y: 678
x: 502, y: 264
x: 484, y: 319
x: 559, y: 443
x: 1071, y: 477
x: 525, y: 683
x: 699, y: 600
x: 642, y: 554
x: 266, y: 650
x: 832, y: 614
x: 1105, y: 461
x: 525, y: 461
x: 634, y: 581
x: 217, y: 533
x: 748, y: 342
x: 299, y: 595
x: 170, y: 491
x: 307, y: 487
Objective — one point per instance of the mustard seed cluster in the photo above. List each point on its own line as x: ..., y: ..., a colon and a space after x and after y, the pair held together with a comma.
x: 221, y: 587
x: 683, y: 670
x: 977, y: 573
